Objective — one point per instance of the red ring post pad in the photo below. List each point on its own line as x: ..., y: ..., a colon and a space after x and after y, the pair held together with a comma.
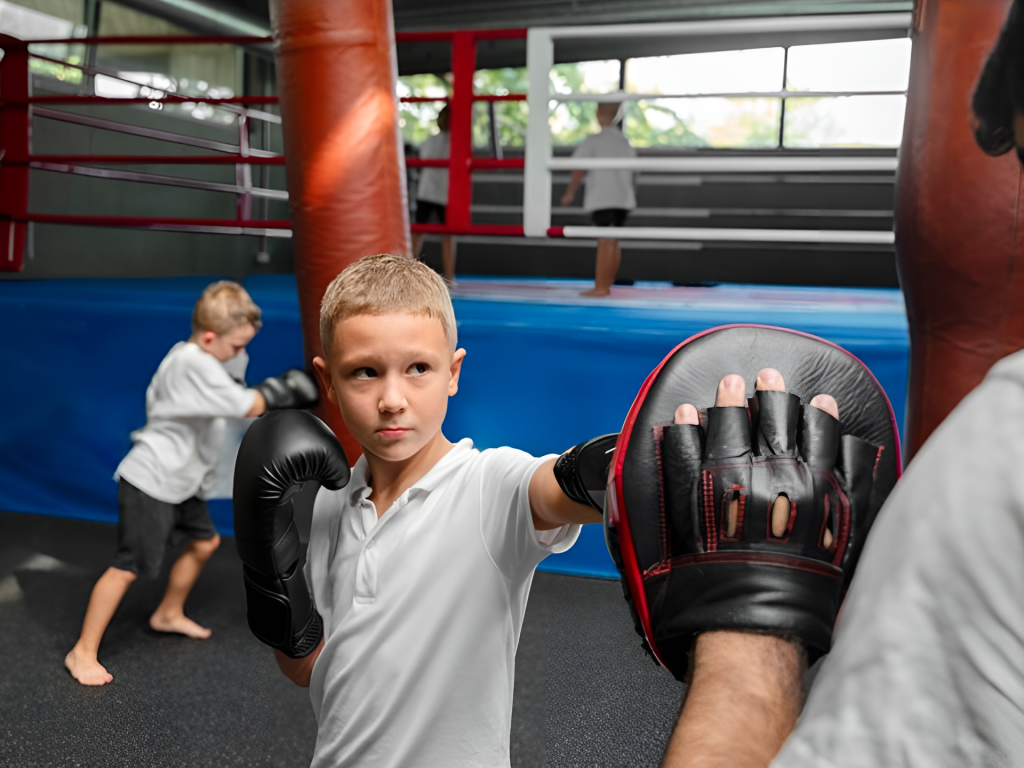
x: 770, y: 579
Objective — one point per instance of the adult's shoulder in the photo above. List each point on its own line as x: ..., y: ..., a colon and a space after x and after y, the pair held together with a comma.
x: 1009, y: 368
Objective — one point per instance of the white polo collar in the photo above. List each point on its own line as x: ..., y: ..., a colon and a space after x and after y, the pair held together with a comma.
x: 450, y: 462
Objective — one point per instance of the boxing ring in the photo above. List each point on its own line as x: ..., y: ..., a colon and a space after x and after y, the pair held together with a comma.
x: 18, y: 159
x: 19, y: 107
x: 545, y: 368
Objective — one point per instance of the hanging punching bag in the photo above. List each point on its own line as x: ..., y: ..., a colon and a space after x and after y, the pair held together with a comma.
x: 336, y: 71
x: 959, y: 244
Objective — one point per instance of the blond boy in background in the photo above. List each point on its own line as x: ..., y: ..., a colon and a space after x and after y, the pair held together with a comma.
x: 161, y: 480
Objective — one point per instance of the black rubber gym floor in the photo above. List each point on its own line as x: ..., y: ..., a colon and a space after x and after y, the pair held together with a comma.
x: 585, y: 693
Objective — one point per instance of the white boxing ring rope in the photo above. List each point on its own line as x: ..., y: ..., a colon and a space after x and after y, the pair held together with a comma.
x: 712, y: 234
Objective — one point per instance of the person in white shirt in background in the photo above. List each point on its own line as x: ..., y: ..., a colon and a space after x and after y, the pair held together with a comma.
x: 432, y: 194
x: 609, y: 195
x: 164, y: 479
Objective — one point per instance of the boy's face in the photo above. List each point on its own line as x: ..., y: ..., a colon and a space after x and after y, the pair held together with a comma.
x: 391, y: 376
x: 225, y: 346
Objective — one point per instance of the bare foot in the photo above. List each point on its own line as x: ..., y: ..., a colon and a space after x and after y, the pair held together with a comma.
x: 181, y: 624
x: 595, y: 292
x: 85, y: 668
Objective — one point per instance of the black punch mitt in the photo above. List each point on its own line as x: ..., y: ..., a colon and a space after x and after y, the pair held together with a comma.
x: 689, y: 515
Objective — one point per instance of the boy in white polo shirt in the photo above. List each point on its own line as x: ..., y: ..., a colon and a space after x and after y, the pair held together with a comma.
x: 420, y: 568
x: 162, y: 479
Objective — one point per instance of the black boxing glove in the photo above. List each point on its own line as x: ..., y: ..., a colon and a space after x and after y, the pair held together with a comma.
x: 279, y: 453
x: 292, y: 389
x: 732, y: 568
x: 582, y: 471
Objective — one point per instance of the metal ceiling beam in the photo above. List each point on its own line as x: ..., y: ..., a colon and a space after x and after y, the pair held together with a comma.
x: 208, y: 18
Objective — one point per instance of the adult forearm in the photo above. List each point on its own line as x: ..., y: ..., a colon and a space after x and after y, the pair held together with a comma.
x: 743, y: 700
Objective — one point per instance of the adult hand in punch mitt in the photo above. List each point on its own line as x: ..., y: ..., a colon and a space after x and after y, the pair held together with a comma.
x: 759, y: 516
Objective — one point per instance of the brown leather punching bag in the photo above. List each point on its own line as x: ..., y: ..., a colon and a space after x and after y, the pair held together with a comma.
x: 336, y: 75
x: 959, y: 244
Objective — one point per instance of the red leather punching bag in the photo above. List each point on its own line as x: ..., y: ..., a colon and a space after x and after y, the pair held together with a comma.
x: 336, y: 75
x: 959, y: 245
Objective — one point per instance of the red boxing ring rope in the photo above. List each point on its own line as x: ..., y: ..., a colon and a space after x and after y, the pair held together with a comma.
x: 17, y: 159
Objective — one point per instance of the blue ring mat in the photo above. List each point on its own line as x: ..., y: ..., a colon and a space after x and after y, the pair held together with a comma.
x: 545, y: 368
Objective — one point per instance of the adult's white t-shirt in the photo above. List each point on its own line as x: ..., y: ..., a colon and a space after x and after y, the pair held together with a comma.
x: 607, y: 189
x: 927, y: 670
x: 433, y: 183
x: 422, y: 611
x: 189, y: 394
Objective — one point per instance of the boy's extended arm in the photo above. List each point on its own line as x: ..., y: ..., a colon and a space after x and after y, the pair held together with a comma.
x: 550, y: 506
x: 744, y: 697
x: 299, y: 670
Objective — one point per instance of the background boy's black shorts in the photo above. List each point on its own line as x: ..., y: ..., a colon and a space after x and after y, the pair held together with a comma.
x: 145, y: 525
x: 609, y: 217
x: 426, y: 210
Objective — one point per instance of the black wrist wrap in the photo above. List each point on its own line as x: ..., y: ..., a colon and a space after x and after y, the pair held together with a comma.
x: 582, y: 471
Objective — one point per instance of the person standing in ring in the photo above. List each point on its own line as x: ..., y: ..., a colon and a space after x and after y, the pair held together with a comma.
x: 609, y: 195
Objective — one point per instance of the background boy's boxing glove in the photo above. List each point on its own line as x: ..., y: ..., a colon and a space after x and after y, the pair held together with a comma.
x: 292, y: 389
x: 279, y: 453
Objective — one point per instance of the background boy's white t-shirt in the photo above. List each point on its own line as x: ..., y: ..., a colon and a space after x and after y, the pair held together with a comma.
x: 607, y: 189
x: 188, y: 396
x: 219, y: 481
x: 927, y: 669
x: 422, y: 611
x: 433, y: 183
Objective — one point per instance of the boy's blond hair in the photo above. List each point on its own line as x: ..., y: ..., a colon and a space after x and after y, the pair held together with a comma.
x: 384, y: 284
x: 224, y: 306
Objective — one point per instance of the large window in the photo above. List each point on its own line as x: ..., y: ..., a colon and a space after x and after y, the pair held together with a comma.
x: 725, y: 99
x: 42, y: 20
x: 711, y: 121
x: 741, y: 99
x: 868, y: 115
x: 213, y: 71
x: 146, y: 70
